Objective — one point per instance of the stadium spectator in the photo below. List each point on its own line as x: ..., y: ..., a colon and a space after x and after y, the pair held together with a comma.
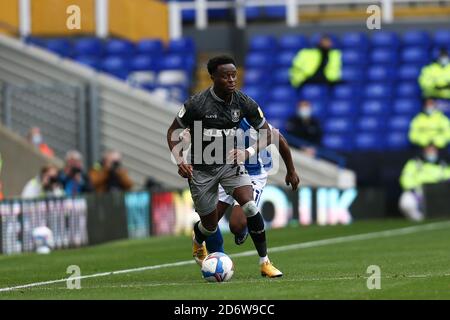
x: 428, y: 168
x: 72, y: 176
x: 110, y: 175
x: 305, y: 127
x: 44, y: 185
x: 434, y: 78
x: 317, y: 65
x: 34, y: 137
x: 430, y: 126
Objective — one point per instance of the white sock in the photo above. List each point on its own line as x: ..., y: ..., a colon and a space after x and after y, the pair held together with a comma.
x: 263, y: 259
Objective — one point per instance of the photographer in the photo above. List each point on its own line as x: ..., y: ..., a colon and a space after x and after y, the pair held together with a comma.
x: 46, y: 184
x: 109, y: 175
x: 72, y: 177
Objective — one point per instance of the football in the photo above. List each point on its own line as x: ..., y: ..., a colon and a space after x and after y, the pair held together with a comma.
x: 217, y: 267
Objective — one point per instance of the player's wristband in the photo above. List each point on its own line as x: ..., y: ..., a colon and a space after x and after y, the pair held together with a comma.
x: 251, y: 151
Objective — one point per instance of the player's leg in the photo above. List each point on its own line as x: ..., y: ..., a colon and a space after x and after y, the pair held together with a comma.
x: 214, y: 243
x: 240, y: 186
x: 238, y: 224
x: 203, y: 186
x: 238, y: 220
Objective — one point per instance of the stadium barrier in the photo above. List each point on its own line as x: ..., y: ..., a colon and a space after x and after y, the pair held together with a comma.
x: 98, y: 218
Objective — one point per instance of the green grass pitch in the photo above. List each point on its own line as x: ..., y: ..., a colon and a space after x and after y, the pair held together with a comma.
x: 414, y: 265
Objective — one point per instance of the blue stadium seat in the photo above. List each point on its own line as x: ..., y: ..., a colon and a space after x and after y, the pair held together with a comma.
x: 353, y: 57
x: 153, y: 47
x: 368, y: 142
x: 397, y: 140
x: 88, y: 47
x: 62, y: 47
x: 353, y: 74
x: 381, y: 73
x: 35, y: 41
x: 319, y: 108
x: 409, y: 72
x: 341, y: 108
x: 258, y: 60
x: 408, y: 89
x: 90, y: 61
x: 118, y: 47
x: 415, y: 55
x: 347, y: 91
x: 377, y: 91
x: 419, y: 38
x: 171, y: 62
x: 142, y: 62
x: 252, y: 13
x: 375, y: 107
x: 314, y: 92
x: 406, y: 106
x: 283, y: 94
x: 338, y: 125
x: 257, y: 93
x: 116, y: 66
x: 281, y: 76
x: 285, y: 58
x: 279, y: 110
x: 399, y: 123
x: 384, y: 56
x: 181, y: 46
x: 385, y: 39
x: 278, y: 123
x: 340, y: 142
x: 292, y: 42
x: 275, y: 12
x: 262, y: 43
x: 255, y: 77
x: 372, y: 124
x: 442, y: 37
x: 355, y: 40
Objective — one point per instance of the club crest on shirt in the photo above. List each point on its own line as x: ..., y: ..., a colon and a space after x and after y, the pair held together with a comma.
x: 235, y: 115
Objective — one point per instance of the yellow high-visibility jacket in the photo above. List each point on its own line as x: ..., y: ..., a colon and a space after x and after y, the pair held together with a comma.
x: 418, y: 172
x: 426, y: 129
x: 432, y: 76
x: 307, y: 61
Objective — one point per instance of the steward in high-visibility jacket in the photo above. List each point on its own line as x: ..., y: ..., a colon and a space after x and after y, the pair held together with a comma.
x: 434, y: 78
x: 428, y: 168
x: 316, y: 65
x: 430, y: 127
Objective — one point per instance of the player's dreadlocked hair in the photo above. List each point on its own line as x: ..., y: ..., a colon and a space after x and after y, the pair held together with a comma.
x: 213, y: 63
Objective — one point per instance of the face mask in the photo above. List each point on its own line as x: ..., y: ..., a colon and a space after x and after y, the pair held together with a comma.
x: 304, y: 113
x: 430, y: 110
x: 36, y: 139
x: 431, y: 157
x: 443, y: 61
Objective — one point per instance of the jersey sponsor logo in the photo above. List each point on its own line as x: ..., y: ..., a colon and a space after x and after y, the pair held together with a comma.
x: 235, y: 115
x: 219, y: 132
x: 181, y: 112
x: 211, y: 116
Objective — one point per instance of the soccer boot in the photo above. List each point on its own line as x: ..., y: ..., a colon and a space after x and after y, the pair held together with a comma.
x: 199, y: 252
x: 268, y: 270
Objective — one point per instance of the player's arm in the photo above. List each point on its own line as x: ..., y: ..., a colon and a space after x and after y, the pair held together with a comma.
x: 176, y: 147
x: 292, y: 178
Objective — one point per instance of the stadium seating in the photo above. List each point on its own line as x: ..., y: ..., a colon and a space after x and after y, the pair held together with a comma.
x: 372, y: 109
x: 170, y: 67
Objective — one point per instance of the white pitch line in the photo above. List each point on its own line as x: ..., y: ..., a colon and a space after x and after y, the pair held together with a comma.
x: 311, y: 244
